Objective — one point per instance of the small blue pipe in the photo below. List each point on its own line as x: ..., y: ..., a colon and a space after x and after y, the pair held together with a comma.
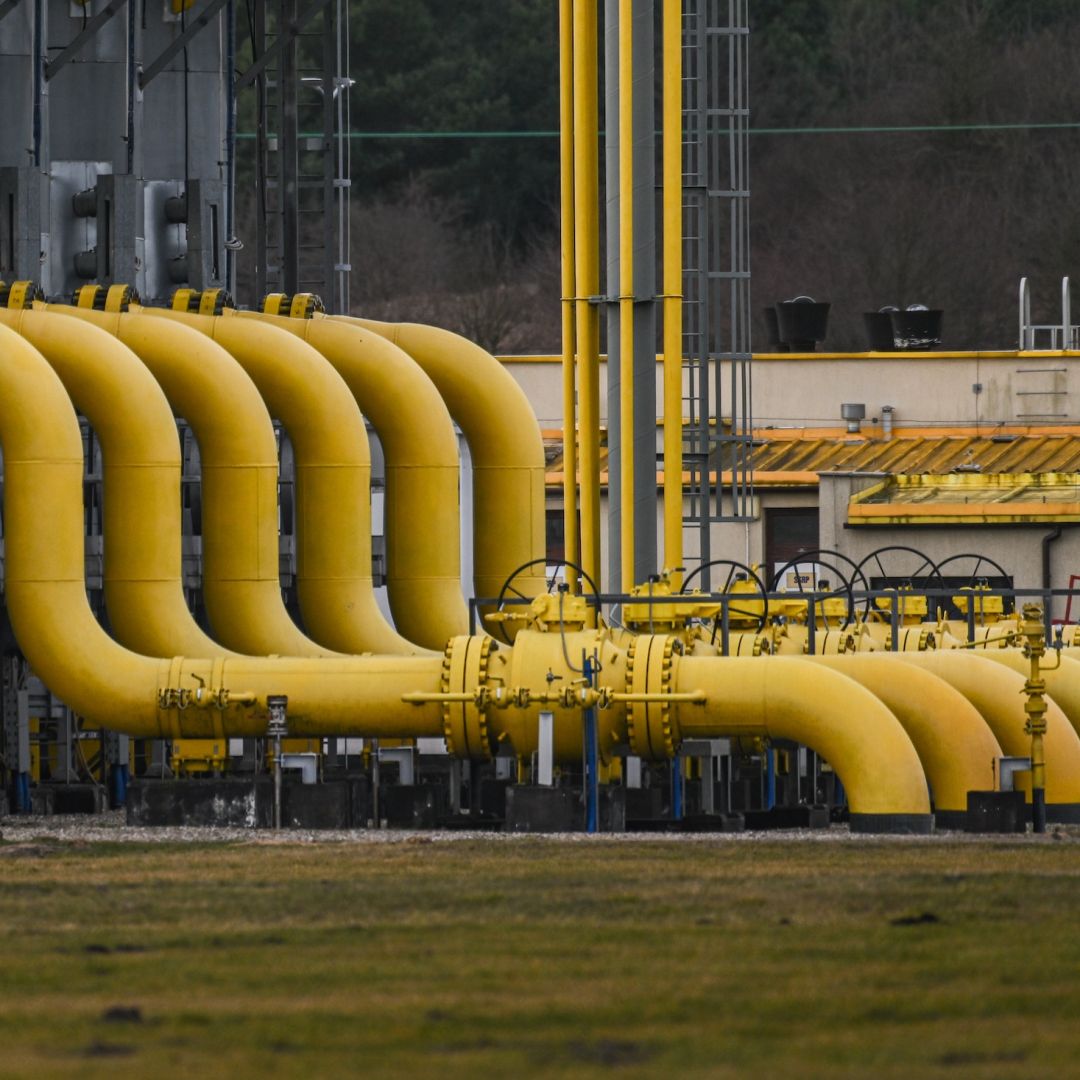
x: 770, y: 779
x: 676, y: 789
x: 22, y: 793
x: 118, y: 785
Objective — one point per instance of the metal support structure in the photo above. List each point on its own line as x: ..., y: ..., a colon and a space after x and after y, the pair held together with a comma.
x: 302, y: 155
x: 276, y: 730
x: 716, y: 269
x: 7, y: 7
x: 164, y: 58
x: 87, y: 34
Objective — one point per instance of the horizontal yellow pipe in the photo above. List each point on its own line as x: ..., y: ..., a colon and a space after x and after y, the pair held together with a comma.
x: 956, y: 747
x: 333, y: 479
x: 144, y: 592
x: 239, y: 468
x: 998, y: 694
x: 505, y: 445
x: 422, y: 512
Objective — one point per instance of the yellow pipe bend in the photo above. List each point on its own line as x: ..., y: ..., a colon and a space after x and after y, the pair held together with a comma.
x: 110, y: 686
x: 956, y: 747
x: 333, y: 479
x: 144, y: 592
x: 422, y: 513
x: 505, y: 445
x: 998, y: 694
x: 239, y: 466
x: 790, y: 698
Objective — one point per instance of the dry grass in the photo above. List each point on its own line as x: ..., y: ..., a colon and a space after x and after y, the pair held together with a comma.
x: 705, y: 958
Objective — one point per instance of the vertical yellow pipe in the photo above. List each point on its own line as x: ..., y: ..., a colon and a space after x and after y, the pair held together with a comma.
x: 571, y: 545
x: 587, y: 269
x: 673, y: 231
x: 626, y: 289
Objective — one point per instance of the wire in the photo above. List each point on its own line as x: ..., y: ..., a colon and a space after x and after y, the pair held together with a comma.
x: 855, y: 129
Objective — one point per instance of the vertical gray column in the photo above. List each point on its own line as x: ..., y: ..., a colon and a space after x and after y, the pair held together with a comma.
x: 287, y: 152
x: 645, y: 431
x: 611, y: 202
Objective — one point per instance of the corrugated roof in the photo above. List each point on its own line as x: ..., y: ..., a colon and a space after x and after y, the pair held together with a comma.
x: 968, y: 498
x: 797, y: 458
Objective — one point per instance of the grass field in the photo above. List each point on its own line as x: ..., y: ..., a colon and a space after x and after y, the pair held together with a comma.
x: 532, y: 956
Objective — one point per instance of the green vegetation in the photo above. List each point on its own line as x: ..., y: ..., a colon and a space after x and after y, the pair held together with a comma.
x: 534, y: 957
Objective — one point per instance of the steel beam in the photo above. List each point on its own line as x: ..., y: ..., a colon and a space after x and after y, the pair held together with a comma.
x: 164, y: 58
x: 52, y: 67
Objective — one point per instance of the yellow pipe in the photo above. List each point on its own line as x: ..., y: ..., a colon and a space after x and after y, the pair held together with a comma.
x: 571, y: 545
x: 956, y: 747
x: 505, y: 445
x: 673, y: 285
x: 422, y: 514
x: 239, y: 467
x: 110, y: 686
x: 333, y: 479
x: 144, y: 592
x: 998, y: 694
x: 587, y: 272
x: 626, y: 289
x: 797, y: 699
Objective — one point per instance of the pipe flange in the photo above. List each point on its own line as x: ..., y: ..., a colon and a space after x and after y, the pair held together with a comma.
x: 20, y: 295
x: 465, y: 670
x: 207, y: 302
x: 298, y: 306
x: 651, y: 727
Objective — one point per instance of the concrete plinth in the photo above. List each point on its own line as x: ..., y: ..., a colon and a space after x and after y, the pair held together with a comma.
x: 67, y: 799
x: 411, y: 807
x: 788, y: 817
x: 996, y: 812
x: 543, y: 810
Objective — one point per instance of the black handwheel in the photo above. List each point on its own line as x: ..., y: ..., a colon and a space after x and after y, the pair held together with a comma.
x: 975, y: 576
x: 735, y: 568
x: 814, y: 558
x: 925, y: 563
x: 509, y: 587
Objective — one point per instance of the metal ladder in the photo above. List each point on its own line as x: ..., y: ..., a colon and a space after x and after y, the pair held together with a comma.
x: 303, y: 155
x: 716, y: 271
x: 1065, y: 336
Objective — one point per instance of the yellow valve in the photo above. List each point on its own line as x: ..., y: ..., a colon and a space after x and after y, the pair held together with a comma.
x: 1033, y: 631
x: 177, y: 5
x: 987, y: 608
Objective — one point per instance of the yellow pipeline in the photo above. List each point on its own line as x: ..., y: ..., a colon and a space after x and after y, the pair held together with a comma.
x: 239, y: 467
x: 389, y: 696
x: 956, y: 747
x: 422, y: 514
x: 505, y: 445
x: 587, y: 284
x: 626, y: 290
x: 847, y: 725
x: 333, y: 479
x: 144, y: 592
x: 998, y: 694
x: 571, y: 546
x: 105, y: 683
x: 673, y: 285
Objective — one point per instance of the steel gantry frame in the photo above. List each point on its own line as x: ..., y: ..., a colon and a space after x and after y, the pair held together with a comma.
x: 302, y: 150
x: 716, y: 271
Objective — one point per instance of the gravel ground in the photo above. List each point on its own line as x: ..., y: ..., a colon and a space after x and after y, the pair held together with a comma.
x: 110, y: 827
